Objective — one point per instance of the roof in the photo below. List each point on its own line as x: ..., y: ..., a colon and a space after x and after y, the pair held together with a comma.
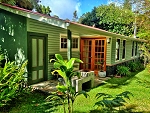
x: 73, y: 26
x: 89, y: 29
x: 34, y: 15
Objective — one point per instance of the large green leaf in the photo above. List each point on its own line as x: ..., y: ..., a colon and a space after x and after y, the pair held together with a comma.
x: 59, y: 57
x: 61, y: 88
x: 70, y: 63
x: 57, y: 65
x: 62, y: 74
x: 78, y: 60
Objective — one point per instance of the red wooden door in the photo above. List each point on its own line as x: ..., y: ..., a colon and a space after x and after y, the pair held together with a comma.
x: 93, y: 53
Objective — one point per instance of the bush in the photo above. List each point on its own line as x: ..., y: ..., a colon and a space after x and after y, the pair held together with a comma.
x: 133, y: 66
x: 148, y: 67
x: 140, y: 65
x: 11, y: 81
x: 123, y: 70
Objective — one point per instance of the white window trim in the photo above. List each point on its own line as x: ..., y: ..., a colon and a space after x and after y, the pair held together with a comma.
x: 133, y: 50
x: 136, y: 50
x: 73, y: 49
x: 125, y: 48
x: 119, y: 50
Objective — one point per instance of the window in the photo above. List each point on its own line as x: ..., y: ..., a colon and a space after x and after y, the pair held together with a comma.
x: 75, y: 43
x: 132, y: 48
x: 63, y: 42
x: 117, y: 49
x: 124, y: 49
x: 136, y: 48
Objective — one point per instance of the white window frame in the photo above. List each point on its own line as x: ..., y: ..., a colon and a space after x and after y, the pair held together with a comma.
x: 125, y: 48
x: 133, y: 49
x: 136, y: 49
x: 73, y: 36
x: 116, y: 60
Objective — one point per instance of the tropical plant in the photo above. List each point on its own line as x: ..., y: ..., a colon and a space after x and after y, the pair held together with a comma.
x: 110, y: 102
x: 66, y: 92
x: 123, y: 70
x: 11, y: 81
x: 133, y: 66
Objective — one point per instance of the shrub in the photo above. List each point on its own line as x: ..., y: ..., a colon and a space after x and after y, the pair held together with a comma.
x: 133, y: 66
x: 148, y: 67
x: 140, y: 65
x: 123, y: 70
x: 11, y: 80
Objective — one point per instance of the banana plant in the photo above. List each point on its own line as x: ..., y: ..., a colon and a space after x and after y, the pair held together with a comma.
x: 110, y: 102
x: 65, y: 70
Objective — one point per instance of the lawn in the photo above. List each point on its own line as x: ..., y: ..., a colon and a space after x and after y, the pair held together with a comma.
x: 138, y: 84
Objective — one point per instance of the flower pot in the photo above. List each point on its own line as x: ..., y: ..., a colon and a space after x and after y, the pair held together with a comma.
x: 102, y: 73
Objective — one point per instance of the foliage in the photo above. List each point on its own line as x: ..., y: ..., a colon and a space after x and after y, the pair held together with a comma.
x: 111, y: 102
x: 123, y: 70
x: 30, y: 5
x: 141, y: 8
x: 43, y: 9
x: 145, y: 49
x: 75, y: 16
x: 35, y: 103
x: 148, y: 67
x: 133, y: 66
x: 111, y: 18
x: 11, y: 81
x: 66, y: 92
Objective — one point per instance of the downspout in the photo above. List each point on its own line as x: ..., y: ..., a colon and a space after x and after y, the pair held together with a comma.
x: 69, y: 42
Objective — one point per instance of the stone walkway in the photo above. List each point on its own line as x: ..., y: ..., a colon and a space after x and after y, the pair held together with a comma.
x: 50, y: 86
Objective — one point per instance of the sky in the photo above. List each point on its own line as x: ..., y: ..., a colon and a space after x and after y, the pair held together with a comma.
x: 65, y: 8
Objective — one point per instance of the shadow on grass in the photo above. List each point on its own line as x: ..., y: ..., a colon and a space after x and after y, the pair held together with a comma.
x: 118, y: 82
x: 33, y: 102
x: 126, y: 109
x: 79, y: 112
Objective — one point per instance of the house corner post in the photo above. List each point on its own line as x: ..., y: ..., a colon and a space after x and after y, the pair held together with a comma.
x: 69, y: 45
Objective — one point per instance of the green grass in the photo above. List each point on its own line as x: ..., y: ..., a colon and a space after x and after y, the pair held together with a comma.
x: 138, y: 84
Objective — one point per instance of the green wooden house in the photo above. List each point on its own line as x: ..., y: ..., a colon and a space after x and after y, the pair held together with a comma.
x: 30, y: 35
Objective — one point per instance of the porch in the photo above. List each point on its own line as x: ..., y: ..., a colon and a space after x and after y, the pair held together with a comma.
x: 50, y: 85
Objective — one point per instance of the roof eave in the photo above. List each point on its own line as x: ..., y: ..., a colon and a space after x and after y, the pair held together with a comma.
x: 33, y: 15
x: 82, y: 28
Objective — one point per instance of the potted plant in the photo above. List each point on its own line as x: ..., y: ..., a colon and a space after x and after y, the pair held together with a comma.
x: 101, y: 72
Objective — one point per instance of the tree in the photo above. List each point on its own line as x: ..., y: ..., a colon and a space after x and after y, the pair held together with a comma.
x: 90, y: 18
x: 111, y: 18
x: 43, y: 9
x: 127, y: 4
x: 75, y: 16
x: 30, y: 5
x: 142, y: 9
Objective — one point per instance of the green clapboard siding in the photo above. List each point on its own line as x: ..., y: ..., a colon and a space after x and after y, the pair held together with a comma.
x: 13, y: 35
x: 53, y: 39
x: 108, y: 53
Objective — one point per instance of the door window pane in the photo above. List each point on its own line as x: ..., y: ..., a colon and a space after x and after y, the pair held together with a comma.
x: 41, y: 52
x: 34, y: 75
x: 34, y: 52
x: 40, y: 74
